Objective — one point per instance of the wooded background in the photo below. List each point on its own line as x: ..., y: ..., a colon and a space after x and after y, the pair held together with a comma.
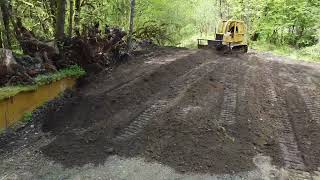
x: 292, y: 23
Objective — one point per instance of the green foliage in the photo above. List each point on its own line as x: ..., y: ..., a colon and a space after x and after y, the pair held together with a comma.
x: 291, y: 23
x: 313, y: 52
x: 283, y: 22
x: 36, y: 16
x: 307, y: 54
x: 27, y: 117
x: 10, y: 91
x: 159, y: 33
x: 73, y: 71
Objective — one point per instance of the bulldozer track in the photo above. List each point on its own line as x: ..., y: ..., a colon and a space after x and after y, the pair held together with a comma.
x: 286, y: 137
x: 228, y: 112
x: 144, y: 74
x: 313, y: 104
x: 311, y: 100
x: 178, y: 88
x: 142, y: 120
x: 150, y: 66
x: 192, y: 76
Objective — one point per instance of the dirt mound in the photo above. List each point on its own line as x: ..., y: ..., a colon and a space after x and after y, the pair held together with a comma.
x: 195, y: 111
x: 186, y: 133
x: 89, y: 122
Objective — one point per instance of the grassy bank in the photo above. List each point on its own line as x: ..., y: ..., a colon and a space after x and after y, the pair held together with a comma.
x: 306, y: 54
x: 73, y: 71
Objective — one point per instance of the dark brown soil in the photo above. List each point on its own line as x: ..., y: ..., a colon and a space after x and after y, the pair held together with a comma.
x: 219, y: 112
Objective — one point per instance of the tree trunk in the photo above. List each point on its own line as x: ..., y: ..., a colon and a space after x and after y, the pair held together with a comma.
x: 2, y: 40
x: 71, y: 18
x: 132, y: 9
x: 1, y: 46
x: 220, y: 8
x: 60, y: 19
x: 77, y: 17
x: 5, y: 20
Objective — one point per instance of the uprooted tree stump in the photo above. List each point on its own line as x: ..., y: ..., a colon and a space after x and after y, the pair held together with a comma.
x: 93, y: 50
x: 12, y: 72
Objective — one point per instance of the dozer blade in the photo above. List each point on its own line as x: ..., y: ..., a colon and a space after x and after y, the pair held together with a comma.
x: 202, y: 44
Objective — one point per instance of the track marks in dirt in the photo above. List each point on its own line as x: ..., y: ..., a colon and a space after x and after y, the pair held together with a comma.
x: 229, y: 106
x: 129, y: 73
x: 141, y: 121
x: 311, y: 100
x: 187, y: 135
x: 228, y: 112
x: 292, y: 156
x: 159, y: 61
x: 167, y: 99
x: 302, y: 100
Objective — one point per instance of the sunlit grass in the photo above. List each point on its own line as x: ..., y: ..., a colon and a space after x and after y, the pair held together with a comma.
x: 10, y: 91
x: 311, y: 54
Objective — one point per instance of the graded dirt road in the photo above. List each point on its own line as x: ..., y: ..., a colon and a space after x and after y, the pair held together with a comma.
x: 177, y: 114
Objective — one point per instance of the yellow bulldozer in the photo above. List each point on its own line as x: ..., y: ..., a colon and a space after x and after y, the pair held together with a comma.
x: 230, y: 37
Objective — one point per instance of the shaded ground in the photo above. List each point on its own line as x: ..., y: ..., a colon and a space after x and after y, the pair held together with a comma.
x: 191, y: 110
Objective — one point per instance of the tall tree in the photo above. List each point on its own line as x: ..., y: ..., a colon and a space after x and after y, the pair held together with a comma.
x: 132, y: 11
x: 1, y: 30
x: 70, y: 17
x: 60, y: 19
x: 5, y: 20
x: 77, y: 17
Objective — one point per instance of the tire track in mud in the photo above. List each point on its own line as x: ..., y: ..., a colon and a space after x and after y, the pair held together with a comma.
x: 292, y: 156
x: 175, y: 93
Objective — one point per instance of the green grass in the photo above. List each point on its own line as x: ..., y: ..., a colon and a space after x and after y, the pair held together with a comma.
x: 27, y: 117
x: 311, y: 54
x: 10, y: 91
x: 73, y: 71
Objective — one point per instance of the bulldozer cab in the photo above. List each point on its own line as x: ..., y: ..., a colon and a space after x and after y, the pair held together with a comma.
x: 233, y: 32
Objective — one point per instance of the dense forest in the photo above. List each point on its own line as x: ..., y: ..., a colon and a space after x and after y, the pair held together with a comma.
x: 293, y: 23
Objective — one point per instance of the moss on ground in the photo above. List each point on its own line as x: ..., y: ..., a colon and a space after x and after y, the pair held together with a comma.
x: 72, y: 71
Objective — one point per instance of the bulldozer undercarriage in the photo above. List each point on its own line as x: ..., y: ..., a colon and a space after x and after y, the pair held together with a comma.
x: 226, y: 49
x: 235, y: 49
